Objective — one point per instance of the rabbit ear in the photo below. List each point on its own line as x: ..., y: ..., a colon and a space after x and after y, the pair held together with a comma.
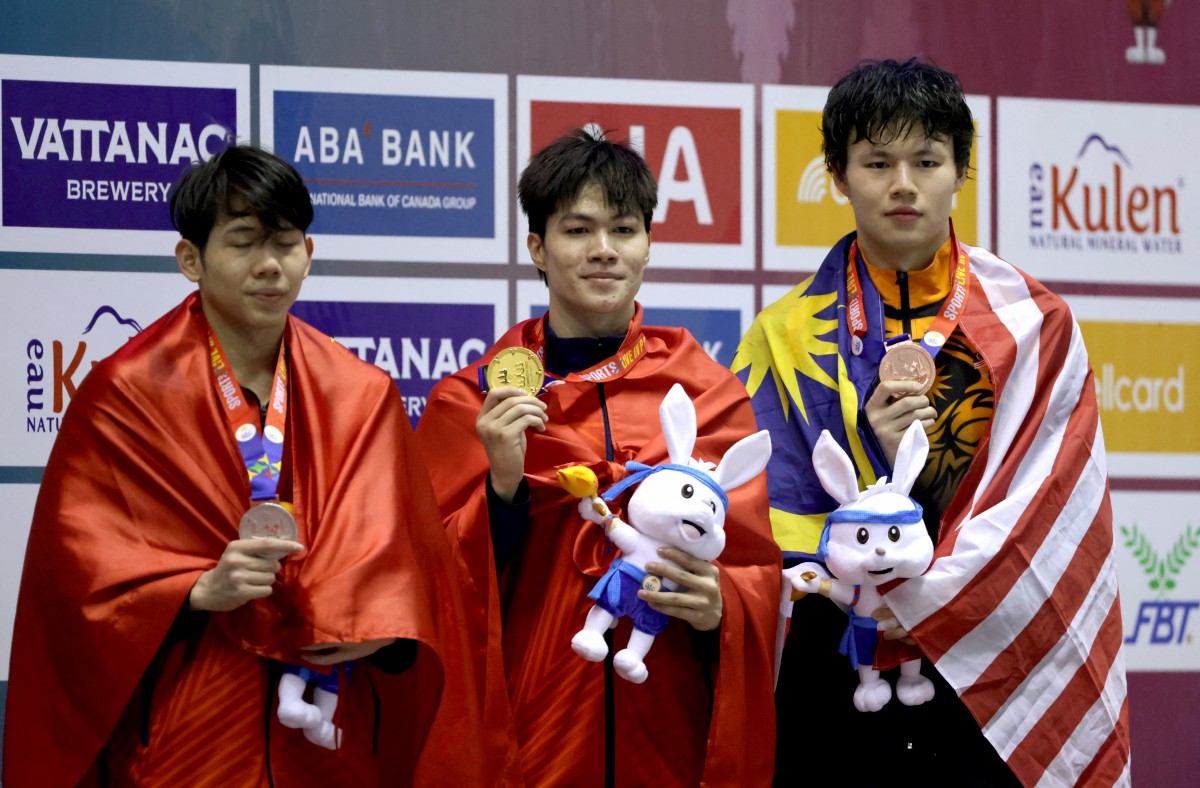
x: 678, y: 417
x: 834, y: 469
x: 744, y: 460
x: 910, y: 458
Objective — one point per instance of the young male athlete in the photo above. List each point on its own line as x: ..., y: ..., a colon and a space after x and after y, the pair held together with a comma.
x: 903, y: 322
x: 704, y: 713
x: 153, y: 615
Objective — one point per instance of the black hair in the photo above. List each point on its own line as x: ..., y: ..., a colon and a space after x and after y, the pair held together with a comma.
x: 559, y: 172
x: 241, y: 180
x: 880, y: 101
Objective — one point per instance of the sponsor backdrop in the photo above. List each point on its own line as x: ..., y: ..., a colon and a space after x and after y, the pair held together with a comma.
x: 402, y: 166
x: 411, y: 121
x: 803, y: 212
x: 55, y: 326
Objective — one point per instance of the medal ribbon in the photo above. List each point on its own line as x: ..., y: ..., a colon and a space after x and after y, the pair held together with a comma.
x: 952, y: 307
x: 261, y: 453
x: 616, y: 366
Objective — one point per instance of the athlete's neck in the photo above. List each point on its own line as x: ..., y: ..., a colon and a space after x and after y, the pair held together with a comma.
x: 252, y: 354
x: 592, y: 324
x: 893, y: 258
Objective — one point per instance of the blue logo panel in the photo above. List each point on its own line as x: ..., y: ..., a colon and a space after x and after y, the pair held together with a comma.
x: 380, y: 165
x: 93, y: 156
x: 717, y: 330
x: 417, y: 344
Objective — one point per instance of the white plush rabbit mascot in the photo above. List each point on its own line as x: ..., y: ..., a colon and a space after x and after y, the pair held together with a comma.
x: 678, y: 504
x: 873, y: 537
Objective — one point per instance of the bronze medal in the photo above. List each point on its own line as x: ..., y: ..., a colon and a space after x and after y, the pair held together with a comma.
x: 517, y: 367
x: 908, y: 361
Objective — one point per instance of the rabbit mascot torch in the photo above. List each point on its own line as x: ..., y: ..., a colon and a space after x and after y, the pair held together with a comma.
x: 874, y: 536
x: 679, y: 504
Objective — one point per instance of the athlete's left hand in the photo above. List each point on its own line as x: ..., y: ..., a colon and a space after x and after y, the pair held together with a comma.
x: 891, y: 627
x: 700, y: 603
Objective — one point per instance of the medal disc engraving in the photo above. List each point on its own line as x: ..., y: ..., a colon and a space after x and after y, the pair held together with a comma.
x: 517, y: 367
x: 268, y: 519
x: 908, y: 361
x: 652, y: 583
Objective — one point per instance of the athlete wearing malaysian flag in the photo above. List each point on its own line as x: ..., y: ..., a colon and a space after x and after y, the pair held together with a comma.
x: 1018, y: 616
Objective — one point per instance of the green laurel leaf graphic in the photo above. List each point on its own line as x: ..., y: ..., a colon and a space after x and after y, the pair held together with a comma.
x: 1182, y: 550
x: 1139, y: 545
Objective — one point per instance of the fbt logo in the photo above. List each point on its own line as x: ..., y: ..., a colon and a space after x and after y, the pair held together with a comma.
x: 55, y: 368
x: 694, y: 153
x: 1162, y: 621
x: 416, y: 344
x: 1099, y: 203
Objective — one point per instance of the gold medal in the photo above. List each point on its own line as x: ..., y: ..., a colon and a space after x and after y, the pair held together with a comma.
x: 651, y: 583
x: 517, y: 367
x: 908, y: 361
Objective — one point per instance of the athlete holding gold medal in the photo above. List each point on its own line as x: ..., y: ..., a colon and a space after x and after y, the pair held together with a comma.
x: 494, y: 435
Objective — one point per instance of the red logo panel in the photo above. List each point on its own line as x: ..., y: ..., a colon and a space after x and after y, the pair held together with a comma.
x: 694, y: 152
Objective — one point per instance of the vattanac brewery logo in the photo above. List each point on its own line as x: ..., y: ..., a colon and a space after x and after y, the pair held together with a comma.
x: 88, y: 156
x: 416, y: 344
x: 54, y: 368
x: 1162, y: 621
x: 1102, y: 202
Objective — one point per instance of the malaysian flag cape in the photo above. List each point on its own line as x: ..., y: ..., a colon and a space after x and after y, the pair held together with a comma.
x: 1019, y: 610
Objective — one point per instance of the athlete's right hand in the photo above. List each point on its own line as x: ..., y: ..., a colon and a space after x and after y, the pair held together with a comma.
x: 893, y: 406
x: 241, y: 575
x: 506, y: 413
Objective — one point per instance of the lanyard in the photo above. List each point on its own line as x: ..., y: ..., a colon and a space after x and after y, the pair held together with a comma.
x: 616, y: 366
x: 952, y: 307
x: 262, y: 453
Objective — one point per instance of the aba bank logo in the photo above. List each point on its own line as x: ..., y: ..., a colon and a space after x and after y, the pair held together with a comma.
x: 694, y: 152
x: 54, y: 368
x: 1162, y: 621
x: 97, y: 156
x: 1101, y: 202
x: 392, y: 165
x: 416, y: 344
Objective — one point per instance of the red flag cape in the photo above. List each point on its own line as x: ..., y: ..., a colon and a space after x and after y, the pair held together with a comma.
x: 143, y: 490
x: 690, y: 722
